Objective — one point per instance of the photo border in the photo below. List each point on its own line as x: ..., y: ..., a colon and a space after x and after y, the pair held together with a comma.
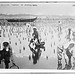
x: 36, y: 71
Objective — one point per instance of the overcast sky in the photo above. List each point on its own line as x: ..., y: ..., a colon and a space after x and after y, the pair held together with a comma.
x: 39, y: 9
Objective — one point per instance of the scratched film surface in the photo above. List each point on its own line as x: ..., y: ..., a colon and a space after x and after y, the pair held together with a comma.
x: 42, y: 36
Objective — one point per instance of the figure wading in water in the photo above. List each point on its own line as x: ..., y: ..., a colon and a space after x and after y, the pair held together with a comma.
x: 7, y: 56
x: 35, y: 46
x: 69, y: 54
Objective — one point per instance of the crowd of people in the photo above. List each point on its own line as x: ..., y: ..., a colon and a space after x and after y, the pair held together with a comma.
x: 45, y: 41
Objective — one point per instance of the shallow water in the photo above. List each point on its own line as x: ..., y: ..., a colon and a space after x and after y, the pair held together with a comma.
x: 25, y: 63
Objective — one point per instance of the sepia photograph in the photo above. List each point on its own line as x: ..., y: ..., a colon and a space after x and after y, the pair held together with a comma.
x: 37, y: 35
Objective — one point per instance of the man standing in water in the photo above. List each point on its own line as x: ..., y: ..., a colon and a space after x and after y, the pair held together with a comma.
x: 5, y: 54
x: 36, y: 52
x: 32, y: 45
x: 69, y: 53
